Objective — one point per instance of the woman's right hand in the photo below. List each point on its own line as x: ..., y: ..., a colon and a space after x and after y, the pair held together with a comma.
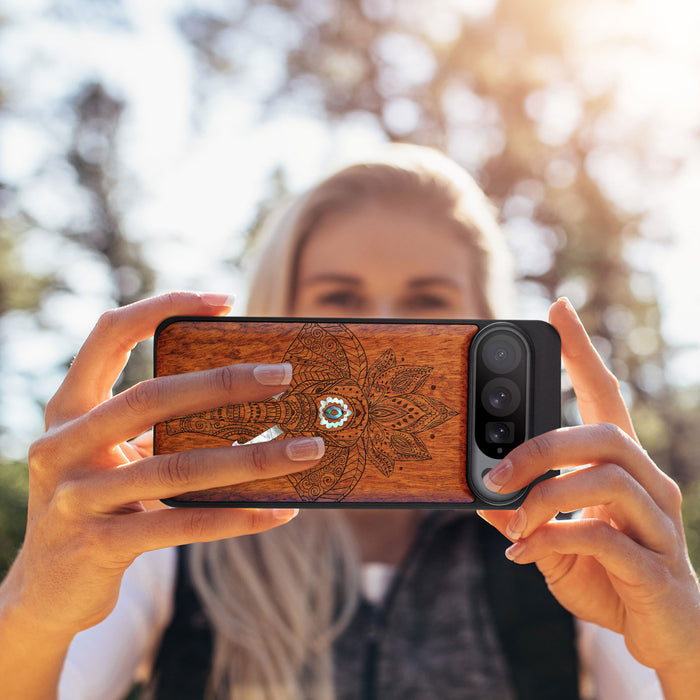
x: 88, y: 516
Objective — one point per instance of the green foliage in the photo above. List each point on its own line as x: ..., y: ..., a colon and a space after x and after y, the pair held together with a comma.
x: 691, y: 521
x: 18, y: 289
x: 14, y: 483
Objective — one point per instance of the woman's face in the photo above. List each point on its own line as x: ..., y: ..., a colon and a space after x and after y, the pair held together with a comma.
x: 385, y: 261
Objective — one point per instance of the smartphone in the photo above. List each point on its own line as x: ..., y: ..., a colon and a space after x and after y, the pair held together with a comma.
x: 413, y: 413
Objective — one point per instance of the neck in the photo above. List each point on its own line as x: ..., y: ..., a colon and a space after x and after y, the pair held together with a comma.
x: 383, y: 535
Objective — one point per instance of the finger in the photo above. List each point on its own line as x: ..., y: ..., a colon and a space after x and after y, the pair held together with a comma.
x: 167, y: 476
x: 497, y: 518
x: 163, y: 398
x: 142, y: 532
x: 614, y: 550
x: 105, y: 352
x: 606, y: 486
x: 596, y: 388
x: 130, y: 452
x: 579, y: 445
x: 143, y: 444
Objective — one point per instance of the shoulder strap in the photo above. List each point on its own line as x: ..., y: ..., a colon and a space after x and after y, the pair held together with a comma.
x: 536, y: 633
x: 183, y: 664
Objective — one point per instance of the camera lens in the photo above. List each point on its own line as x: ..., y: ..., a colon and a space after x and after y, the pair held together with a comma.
x: 502, y: 353
x: 499, y: 432
x: 500, y: 396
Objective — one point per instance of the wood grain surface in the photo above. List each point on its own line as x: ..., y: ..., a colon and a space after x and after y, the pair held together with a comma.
x: 389, y: 400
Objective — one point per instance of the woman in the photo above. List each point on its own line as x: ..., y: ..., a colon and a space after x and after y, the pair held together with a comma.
x: 410, y: 237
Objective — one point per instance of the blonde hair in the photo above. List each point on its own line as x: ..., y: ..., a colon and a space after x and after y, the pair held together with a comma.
x: 277, y: 600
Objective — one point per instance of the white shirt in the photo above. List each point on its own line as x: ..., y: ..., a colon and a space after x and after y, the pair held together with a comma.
x: 104, y: 661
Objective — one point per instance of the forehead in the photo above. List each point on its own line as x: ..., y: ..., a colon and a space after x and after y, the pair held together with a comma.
x: 381, y: 239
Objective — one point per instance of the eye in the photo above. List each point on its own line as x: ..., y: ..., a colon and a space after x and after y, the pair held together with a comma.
x: 427, y: 302
x: 341, y: 299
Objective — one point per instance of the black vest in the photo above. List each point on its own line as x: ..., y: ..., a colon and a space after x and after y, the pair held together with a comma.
x: 534, y: 635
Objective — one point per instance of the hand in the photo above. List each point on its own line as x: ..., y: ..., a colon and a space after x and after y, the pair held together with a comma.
x: 624, y: 564
x: 87, y: 515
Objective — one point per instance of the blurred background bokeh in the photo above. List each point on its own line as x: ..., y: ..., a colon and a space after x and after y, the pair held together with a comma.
x: 141, y: 141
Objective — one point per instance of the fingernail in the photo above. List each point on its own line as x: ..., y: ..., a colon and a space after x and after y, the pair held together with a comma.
x: 569, y: 306
x: 218, y: 299
x: 285, y: 514
x: 515, y: 550
x: 517, y: 525
x: 498, y: 476
x: 306, y: 448
x: 273, y: 375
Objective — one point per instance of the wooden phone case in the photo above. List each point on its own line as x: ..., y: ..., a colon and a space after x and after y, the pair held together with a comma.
x: 389, y: 399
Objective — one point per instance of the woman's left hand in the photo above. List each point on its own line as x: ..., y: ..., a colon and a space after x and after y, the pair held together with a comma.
x: 623, y: 564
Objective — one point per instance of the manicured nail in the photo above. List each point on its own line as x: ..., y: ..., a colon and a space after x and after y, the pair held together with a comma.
x: 517, y: 525
x: 515, y: 550
x: 305, y: 449
x: 499, y: 476
x: 569, y: 306
x: 274, y: 375
x: 285, y: 514
x: 218, y: 299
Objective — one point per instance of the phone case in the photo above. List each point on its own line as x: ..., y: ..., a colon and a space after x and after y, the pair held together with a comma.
x: 389, y: 398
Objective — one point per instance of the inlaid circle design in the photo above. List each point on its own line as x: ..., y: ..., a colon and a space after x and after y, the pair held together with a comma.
x: 333, y: 412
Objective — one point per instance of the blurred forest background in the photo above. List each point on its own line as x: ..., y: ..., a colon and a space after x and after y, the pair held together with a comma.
x: 580, y: 119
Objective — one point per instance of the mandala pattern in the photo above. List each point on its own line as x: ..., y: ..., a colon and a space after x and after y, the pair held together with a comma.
x: 365, y: 413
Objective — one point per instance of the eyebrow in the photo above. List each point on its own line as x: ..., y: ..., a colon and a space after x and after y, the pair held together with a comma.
x: 433, y: 281
x: 333, y: 277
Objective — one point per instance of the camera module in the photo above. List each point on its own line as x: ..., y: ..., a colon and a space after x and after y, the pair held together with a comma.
x: 500, y: 397
x: 505, y: 358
